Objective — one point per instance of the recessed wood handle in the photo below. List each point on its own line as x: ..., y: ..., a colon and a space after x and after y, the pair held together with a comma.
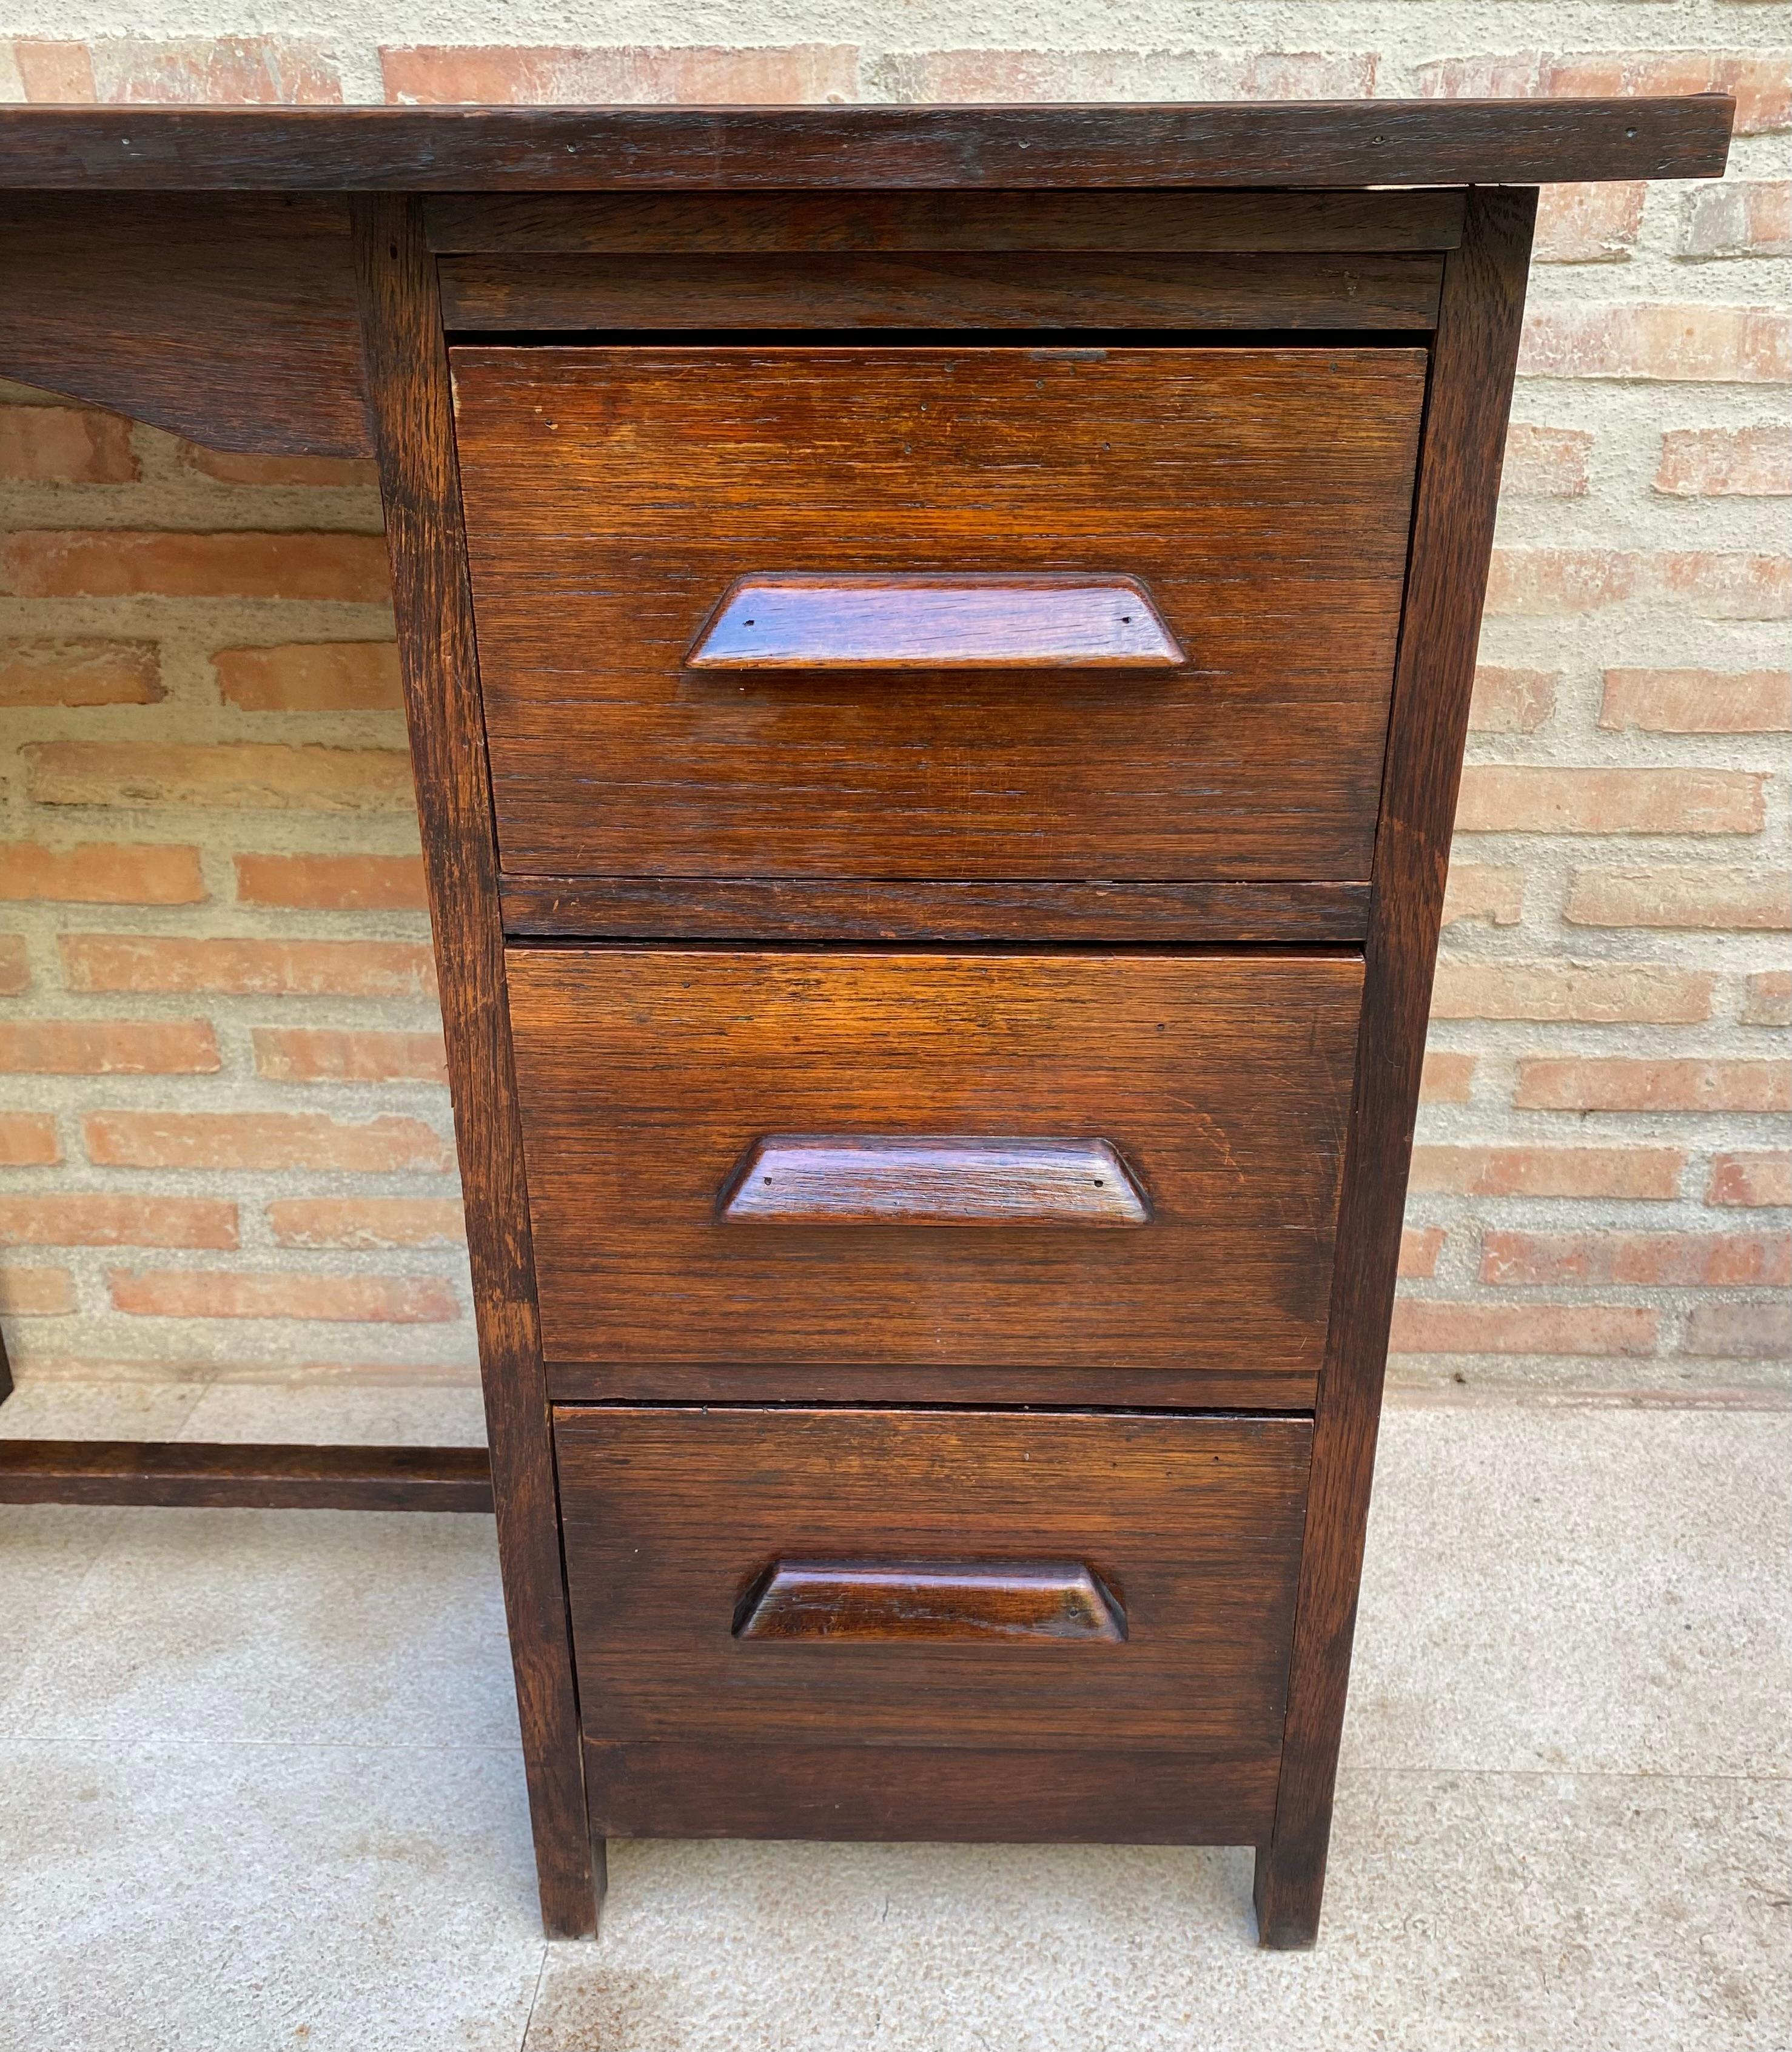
x: 885, y: 1179
x: 941, y: 1600
x: 800, y: 622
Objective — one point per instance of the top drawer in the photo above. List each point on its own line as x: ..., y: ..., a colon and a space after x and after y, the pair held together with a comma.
x: 1258, y: 498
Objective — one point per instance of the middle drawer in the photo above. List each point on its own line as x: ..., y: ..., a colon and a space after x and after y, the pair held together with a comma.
x: 934, y: 1161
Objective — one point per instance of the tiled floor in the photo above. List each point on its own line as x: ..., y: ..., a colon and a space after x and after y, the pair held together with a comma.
x: 260, y: 1789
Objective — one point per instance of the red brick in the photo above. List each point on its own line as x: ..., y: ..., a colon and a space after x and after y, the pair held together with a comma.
x: 1740, y: 217
x: 1755, y: 80
x: 1648, y: 1173
x: 65, y: 445
x: 333, y: 882
x: 92, y: 1219
x: 248, y: 969
x: 1721, y: 584
x: 1545, y: 463
x: 1447, y: 1078
x: 1631, y: 1084
x: 1698, y: 701
x: 1512, y: 701
x: 108, y: 1048
x: 312, y: 676
x: 1713, y: 584
x: 186, y: 70
x: 1424, y: 1326
x: 259, y: 776
x: 431, y: 75
x: 1597, y: 994
x: 1691, y: 897
x: 102, y: 872
x: 1596, y: 224
x: 36, y: 1293
x: 122, y: 563
x: 1420, y: 1246
x: 1496, y: 798
x: 43, y: 671
x: 263, y: 1140
x: 963, y: 77
x: 1739, y: 1332
x: 1751, y: 1179
x: 362, y: 1223
x: 15, y: 965
x: 235, y: 467
x: 322, y: 1054
x: 1700, y: 341
x: 1641, y: 1260
x: 28, y: 1140
x: 1742, y: 463
x: 191, y: 1293
x: 1477, y: 891
x: 60, y: 73
x: 1547, y: 582
x: 1768, y: 1001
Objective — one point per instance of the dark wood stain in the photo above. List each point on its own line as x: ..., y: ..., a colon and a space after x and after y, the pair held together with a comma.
x: 614, y: 495
x: 1222, y: 1081
x: 673, y: 1516
x: 407, y: 376
x: 945, y: 1180
x: 993, y: 289
x: 942, y: 1601
x: 937, y: 622
x: 1477, y: 352
x: 231, y: 318
x: 701, y: 908
x: 1319, y: 143
x: 234, y: 1476
x: 598, y: 224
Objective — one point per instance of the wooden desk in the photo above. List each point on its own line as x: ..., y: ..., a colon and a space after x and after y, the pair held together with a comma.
x: 937, y: 645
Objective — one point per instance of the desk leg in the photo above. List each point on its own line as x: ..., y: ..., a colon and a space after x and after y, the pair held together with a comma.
x: 1473, y: 356
x: 411, y: 416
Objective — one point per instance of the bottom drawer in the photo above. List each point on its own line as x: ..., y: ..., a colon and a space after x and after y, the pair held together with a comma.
x: 932, y: 1624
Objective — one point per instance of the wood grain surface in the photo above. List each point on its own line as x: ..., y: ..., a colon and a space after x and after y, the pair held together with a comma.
x: 940, y: 1600
x: 614, y: 494
x: 602, y: 224
x: 1240, y: 1385
x: 673, y: 1516
x: 241, y: 1477
x: 713, y: 908
x: 229, y: 318
x: 889, y: 1179
x: 1453, y: 537
x: 548, y: 149
x: 407, y: 377
x: 1221, y: 1080
x: 993, y: 289
x: 934, y: 622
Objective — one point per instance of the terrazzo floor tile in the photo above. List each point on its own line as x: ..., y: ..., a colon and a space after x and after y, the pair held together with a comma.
x: 46, y: 1550
x: 1599, y: 1590
x: 201, y: 1899
x: 1523, y: 1912
x: 305, y: 1626
x: 395, y: 1414
x: 259, y: 1788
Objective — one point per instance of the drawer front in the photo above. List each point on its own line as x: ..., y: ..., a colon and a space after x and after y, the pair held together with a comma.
x: 903, y: 1621
x: 1254, y: 503
x: 1087, y: 1162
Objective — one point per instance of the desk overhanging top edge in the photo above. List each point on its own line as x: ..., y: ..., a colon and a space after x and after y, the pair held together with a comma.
x: 1318, y: 144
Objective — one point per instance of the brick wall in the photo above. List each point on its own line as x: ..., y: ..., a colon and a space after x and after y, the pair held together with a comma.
x: 225, y: 1143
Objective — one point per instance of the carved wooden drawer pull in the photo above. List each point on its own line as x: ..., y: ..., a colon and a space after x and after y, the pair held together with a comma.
x: 815, y: 622
x: 945, y: 1600
x: 881, y: 1179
